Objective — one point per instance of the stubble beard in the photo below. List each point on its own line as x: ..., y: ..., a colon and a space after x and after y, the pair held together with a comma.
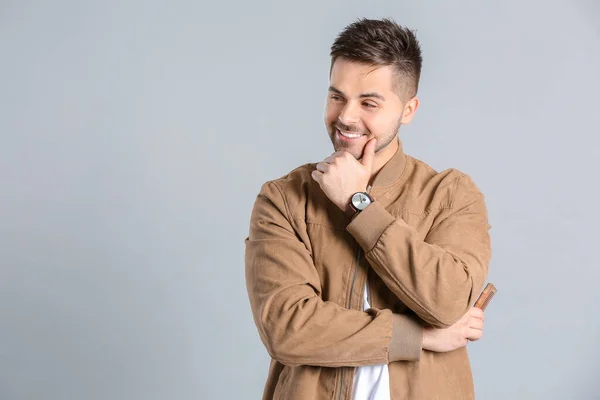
x: 382, y: 141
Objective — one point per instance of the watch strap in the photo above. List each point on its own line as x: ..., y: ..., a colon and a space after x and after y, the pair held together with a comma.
x: 352, y: 211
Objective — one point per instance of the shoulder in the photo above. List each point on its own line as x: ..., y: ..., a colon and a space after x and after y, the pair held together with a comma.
x: 450, y: 186
x: 292, y: 188
x: 293, y: 181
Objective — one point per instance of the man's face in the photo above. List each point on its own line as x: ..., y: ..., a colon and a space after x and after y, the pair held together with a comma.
x: 362, y: 104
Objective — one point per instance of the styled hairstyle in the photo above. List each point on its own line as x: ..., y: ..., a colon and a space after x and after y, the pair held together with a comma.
x: 382, y: 42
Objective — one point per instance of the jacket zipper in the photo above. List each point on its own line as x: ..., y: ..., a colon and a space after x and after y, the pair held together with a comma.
x: 358, y: 255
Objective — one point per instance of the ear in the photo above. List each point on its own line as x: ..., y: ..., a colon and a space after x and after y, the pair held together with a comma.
x: 410, y: 108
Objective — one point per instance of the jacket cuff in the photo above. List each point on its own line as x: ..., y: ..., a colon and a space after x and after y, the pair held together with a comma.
x: 369, y: 224
x: 407, y: 339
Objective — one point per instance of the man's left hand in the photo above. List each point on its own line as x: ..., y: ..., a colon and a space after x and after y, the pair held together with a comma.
x: 341, y: 175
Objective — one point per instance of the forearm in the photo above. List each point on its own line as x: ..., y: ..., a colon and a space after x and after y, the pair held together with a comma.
x: 298, y: 328
x: 437, y: 283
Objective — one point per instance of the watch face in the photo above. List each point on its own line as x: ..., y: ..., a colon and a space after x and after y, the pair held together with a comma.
x: 360, y: 201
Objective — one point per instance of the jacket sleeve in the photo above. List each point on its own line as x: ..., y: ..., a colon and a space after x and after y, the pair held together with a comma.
x: 438, y: 277
x: 296, y: 326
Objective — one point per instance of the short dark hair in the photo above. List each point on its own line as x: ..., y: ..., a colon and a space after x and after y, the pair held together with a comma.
x: 382, y: 42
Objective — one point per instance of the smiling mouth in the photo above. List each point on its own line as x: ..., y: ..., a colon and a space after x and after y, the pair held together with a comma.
x: 349, y: 135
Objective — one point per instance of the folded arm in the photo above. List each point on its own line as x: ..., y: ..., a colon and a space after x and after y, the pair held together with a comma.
x: 295, y: 324
x: 437, y: 277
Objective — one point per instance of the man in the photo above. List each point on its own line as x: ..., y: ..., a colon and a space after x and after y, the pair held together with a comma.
x: 362, y: 269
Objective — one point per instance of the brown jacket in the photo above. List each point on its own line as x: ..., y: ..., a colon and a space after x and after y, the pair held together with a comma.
x: 424, y: 247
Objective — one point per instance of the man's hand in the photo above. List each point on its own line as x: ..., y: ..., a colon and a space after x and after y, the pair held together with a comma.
x: 341, y: 175
x: 469, y: 327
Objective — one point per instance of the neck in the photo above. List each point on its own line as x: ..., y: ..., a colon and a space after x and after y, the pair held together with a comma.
x: 382, y: 157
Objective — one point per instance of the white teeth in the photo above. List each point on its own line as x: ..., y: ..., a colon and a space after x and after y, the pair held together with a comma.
x: 350, y: 135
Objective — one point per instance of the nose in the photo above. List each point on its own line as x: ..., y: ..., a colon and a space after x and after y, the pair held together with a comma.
x: 349, y: 114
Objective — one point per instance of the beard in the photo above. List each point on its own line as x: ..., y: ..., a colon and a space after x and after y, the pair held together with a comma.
x: 356, y: 149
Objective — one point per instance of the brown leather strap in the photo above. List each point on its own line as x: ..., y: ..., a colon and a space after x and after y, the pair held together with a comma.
x: 350, y: 211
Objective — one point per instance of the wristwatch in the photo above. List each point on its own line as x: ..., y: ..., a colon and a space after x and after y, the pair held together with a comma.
x: 358, y: 202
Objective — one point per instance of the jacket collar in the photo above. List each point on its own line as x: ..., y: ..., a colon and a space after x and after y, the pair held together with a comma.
x: 392, y: 171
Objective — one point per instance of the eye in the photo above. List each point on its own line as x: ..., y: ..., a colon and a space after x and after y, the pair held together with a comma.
x: 369, y: 104
x: 335, y: 97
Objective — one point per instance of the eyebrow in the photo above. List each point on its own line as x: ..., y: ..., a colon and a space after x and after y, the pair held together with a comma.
x: 362, y: 95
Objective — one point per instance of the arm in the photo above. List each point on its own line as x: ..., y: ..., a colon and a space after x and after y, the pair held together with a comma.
x: 437, y: 277
x: 296, y: 326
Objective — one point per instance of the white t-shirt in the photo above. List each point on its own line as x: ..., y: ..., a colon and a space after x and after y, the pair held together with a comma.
x: 371, y: 382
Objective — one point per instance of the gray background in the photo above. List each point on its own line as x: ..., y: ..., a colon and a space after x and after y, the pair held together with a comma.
x: 136, y: 135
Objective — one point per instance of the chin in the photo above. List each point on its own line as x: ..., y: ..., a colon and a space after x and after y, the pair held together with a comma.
x: 356, y: 153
